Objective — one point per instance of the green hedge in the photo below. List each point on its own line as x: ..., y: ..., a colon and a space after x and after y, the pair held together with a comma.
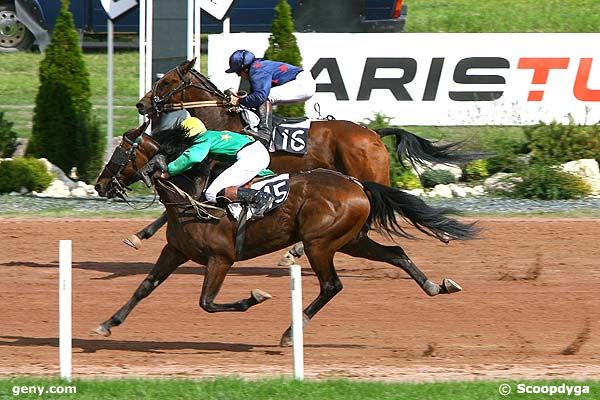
x: 432, y: 177
x: 545, y: 182
x: 555, y: 143
x: 28, y: 173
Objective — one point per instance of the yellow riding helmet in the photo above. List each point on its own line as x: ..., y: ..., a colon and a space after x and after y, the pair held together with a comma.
x: 193, y: 126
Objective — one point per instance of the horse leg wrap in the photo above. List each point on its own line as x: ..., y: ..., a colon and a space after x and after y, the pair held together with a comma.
x: 432, y: 289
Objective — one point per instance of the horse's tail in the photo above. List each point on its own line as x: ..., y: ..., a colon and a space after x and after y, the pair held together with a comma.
x: 421, y: 151
x: 386, y: 202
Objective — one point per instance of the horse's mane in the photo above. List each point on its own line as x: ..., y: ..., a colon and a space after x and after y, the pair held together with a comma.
x: 173, y: 141
x: 207, y: 82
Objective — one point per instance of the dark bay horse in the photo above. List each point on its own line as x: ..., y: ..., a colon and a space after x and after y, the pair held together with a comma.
x: 326, y: 210
x: 333, y: 144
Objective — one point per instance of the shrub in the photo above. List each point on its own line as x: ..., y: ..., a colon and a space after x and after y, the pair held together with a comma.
x: 555, y: 143
x: 283, y: 47
x: 406, y: 179
x: 507, y: 155
x: 28, y: 173
x: 8, y: 138
x: 63, y: 129
x: 549, y: 183
x: 476, y: 170
x: 432, y: 177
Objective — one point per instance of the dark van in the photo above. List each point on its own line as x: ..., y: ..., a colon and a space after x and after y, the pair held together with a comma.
x: 23, y: 22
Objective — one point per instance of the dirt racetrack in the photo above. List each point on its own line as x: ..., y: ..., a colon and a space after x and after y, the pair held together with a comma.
x: 530, y: 308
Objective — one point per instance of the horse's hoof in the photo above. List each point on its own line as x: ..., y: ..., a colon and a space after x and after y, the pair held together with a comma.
x: 102, y: 331
x: 133, y: 241
x: 286, y: 341
x: 451, y: 286
x: 260, y: 295
x: 286, y: 260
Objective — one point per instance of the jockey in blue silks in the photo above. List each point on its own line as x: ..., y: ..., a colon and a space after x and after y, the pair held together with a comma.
x: 272, y: 82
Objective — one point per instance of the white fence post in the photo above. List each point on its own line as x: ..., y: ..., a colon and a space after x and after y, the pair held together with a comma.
x: 297, y: 321
x: 64, y: 304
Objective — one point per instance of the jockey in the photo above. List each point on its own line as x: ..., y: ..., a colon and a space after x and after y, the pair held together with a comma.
x: 272, y: 82
x: 250, y: 158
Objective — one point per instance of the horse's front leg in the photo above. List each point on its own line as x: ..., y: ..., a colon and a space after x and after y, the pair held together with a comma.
x: 216, y: 270
x: 169, y: 260
x: 289, y: 258
x: 135, y: 241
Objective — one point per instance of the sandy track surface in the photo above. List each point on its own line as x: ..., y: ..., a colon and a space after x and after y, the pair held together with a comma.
x: 529, y: 308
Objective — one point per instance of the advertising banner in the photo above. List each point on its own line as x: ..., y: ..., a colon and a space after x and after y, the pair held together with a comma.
x: 441, y: 78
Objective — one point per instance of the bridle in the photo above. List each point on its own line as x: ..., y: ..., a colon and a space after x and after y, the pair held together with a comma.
x: 121, y: 158
x: 160, y: 102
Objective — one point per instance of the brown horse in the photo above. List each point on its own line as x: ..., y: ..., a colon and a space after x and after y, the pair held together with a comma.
x: 328, y: 211
x: 337, y: 145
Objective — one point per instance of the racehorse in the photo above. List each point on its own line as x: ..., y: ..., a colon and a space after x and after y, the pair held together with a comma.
x: 326, y: 210
x: 333, y: 144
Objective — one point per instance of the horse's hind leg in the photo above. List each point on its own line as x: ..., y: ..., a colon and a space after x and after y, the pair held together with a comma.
x: 135, y: 241
x: 322, y: 263
x: 169, y: 260
x: 216, y: 271
x: 365, y: 247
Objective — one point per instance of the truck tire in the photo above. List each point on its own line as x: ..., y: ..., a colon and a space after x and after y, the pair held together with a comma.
x: 14, y: 36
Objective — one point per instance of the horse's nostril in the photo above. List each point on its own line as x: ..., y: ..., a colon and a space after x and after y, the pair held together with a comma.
x: 98, y: 188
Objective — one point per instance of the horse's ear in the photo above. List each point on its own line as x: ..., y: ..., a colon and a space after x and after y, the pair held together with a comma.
x: 188, y: 65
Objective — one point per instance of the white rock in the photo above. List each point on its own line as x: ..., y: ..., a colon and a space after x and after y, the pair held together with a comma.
x: 79, y: 192
x: 501, y: 181
x: 588, y: 170
x: 441, y: 191
x: 60, y: 175
x: 457, y: 191
x: 56, y: 189
x: 585, y: 168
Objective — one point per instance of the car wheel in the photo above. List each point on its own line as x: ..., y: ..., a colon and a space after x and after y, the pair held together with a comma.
x: 14, y: 36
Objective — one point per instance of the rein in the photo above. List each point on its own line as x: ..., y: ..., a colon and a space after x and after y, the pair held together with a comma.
x: 202, y: 209
x: 192, y: 104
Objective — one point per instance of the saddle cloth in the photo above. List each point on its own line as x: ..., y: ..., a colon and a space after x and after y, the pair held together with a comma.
x: 289, y: 135
x: 277, y: 185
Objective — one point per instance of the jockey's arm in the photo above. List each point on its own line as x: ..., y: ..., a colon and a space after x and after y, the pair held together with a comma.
x: 194, y: 154
x: 261, y: 87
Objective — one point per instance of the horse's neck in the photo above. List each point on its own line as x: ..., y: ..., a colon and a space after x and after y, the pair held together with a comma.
x: 217, y: 118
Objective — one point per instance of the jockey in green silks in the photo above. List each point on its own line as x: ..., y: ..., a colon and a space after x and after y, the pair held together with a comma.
x: 250, y: 158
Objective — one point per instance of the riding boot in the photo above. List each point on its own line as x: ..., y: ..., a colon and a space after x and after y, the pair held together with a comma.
x: 261, y: 201
x: 265, y: 126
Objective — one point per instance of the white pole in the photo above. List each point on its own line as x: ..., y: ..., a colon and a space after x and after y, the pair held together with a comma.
x: 142, y: 55
x: 109, y: 123
x: 227, y: 25
x: 64, y: 304
x: 190, y: 29
x: 197, y: 31
x: 149, y: 28
x: 297, y: 321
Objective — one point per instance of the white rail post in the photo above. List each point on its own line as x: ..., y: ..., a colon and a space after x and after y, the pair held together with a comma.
x: 64, y: 305
x: 297, y: 321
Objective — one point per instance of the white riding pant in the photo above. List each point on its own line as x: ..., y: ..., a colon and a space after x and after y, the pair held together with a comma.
x: 250, y: 161
x: 300, y: 89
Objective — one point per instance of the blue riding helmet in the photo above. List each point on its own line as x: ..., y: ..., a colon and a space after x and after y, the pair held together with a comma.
x: 239, y: 60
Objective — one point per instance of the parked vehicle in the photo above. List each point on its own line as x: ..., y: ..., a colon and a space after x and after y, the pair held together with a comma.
x: 25, y: 22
